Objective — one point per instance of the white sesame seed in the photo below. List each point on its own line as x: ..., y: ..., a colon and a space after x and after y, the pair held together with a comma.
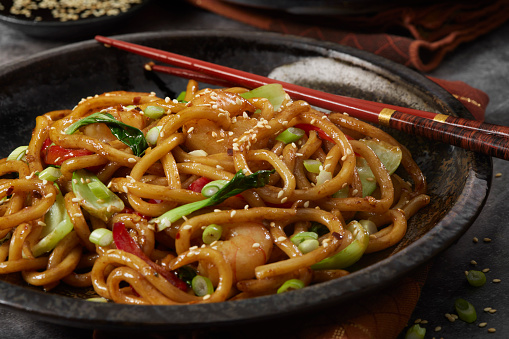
x: 256, y: 245
x: 131, y: 160
x: 281, y: 239
x: 232, y: 213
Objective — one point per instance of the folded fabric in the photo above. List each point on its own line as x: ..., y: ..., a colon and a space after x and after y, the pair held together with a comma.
x: 429, y: 32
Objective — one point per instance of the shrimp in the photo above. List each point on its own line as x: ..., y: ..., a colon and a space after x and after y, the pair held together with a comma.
x: 202, y: 131
x: 245, y: 246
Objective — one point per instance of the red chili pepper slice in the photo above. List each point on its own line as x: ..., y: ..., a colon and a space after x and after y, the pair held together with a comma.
x: 198, y: 184
x: 124, y: 242
x: 56, y: 155
x: 309, y: 127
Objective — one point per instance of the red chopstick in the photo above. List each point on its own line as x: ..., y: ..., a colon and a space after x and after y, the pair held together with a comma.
x: 472, y: 135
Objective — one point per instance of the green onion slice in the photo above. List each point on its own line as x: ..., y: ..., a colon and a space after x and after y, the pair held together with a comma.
x: 182, y: 97
x: 18, y: 153
x: 50, y: 174
x: 476, y: 278
x: 313, y: 166
x: 300, y: 237
x: 212, y: 233
x: 213, y: 187
x: 290, y: 285
x: 154, y: 112
x: 202, y: 286
x: 323, y: 177
x: 101, y: 237
x: 99, y: 190
x: 153, y: 135
x: 465, y: 310
x: 369, y: 226
x: 415, y: 332
x: 291, y: 134
x: 308, y: 245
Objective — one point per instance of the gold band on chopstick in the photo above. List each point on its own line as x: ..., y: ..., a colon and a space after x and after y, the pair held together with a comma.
x: 384, y: 117
x: 440, y: 117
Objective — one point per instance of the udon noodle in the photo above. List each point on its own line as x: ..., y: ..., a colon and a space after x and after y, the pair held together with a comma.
x: 294, y: 228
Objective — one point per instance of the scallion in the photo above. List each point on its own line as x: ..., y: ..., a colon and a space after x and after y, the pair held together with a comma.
x: 291, y: 134
x: 298, y: 238
x: 153, y: 135
x: 18, y: 153
x: 101, y: 237
x: 154, y: 112
x: 369, y: 226
x: 212, y: 233
x: 323, y: 177
x: 312, y: 166
x: 308, y: 245
x: 50, y: 174
x: 476, y: 278
x: 213, y: 187
x: 202, y: 286
x: 415, y: 332
x: 99, y: 190
x: 290, y: 285
x: 465, y: 310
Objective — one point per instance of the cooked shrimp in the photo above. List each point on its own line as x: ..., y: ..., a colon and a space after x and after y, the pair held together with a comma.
x: 245, y: 246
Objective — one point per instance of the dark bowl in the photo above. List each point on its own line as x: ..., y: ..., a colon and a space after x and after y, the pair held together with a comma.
x: 50, y: 28
x: 458, y: 179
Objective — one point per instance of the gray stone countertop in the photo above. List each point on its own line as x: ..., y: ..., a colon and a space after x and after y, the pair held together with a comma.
x: 483, y: 63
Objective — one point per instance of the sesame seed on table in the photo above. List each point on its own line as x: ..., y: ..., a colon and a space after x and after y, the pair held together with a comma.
x: 482, y: 64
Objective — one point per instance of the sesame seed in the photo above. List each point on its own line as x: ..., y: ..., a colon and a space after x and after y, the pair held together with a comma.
x: 482, y: 324
x: 75, y: 199
x: 272, y: 224
x: 473, y: 262
x: 256, y: 245
x: 232, y: 213
x: 131, y: 160
x: 485, y: 270
x: 492, y: 311
x: 217, y: 210
x: 424, y: 322
x: 475, y: 239
x: 187, y: 227
x: 190, y: 129
x: 498, y: 175
x: 41, y: 223
x: 206, y: 297
x: 496, y: 280
x: 281, y: 239
x: 487, y: 239
x: 284, y: 200
x: 280, y: 194
x: 438, y: 329
x: 417, y: 321
x: 491, y: 330
x: 487, y: 309
x: 306, y: 204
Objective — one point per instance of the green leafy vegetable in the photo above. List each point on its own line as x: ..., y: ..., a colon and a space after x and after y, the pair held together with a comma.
x: 237, y: 185
x: 351, y: 254
x: 273, y: 92
x: 84, y: 184
x: 58, y: 225
x: 129, y: 135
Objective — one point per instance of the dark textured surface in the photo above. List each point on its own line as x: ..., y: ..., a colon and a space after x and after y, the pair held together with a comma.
x: 482, y: 64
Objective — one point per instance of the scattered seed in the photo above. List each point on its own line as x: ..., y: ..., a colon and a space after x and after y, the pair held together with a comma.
x: 496, y: 280
x: 492, y: 330
x: 482, y: 324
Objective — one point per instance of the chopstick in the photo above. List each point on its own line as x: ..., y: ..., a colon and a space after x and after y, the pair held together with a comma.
x: 489, y: 139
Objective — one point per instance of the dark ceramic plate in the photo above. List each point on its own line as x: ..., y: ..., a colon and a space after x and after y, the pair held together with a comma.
x: 458, y: 180
x: 50, y: 28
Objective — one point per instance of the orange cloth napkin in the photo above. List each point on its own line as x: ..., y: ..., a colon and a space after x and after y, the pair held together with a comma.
x: 429, y: 32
